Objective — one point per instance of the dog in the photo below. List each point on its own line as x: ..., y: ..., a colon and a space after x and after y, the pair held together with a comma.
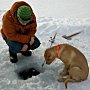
x: 75, y: 64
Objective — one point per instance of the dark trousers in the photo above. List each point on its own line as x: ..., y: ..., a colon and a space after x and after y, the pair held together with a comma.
x: 15, y: 47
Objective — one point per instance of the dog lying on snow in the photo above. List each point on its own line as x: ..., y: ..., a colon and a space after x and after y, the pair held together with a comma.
x: 76, y: 67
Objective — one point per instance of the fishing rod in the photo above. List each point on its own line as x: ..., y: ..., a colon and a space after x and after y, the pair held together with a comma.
x: 52, y: 40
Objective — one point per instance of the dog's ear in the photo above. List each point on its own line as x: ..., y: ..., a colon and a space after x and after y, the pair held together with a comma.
x: 50, y: 56
x: 47, y: 54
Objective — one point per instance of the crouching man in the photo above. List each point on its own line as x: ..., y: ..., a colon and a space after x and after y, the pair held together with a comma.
x: 18, y: 30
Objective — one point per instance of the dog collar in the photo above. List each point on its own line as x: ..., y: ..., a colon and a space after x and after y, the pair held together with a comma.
x: 57, y: 49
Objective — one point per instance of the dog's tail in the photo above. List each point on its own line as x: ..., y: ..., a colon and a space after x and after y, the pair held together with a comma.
x: 68, y: 80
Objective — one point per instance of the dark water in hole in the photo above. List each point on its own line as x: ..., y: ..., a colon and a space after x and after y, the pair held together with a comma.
x: 28, y: 73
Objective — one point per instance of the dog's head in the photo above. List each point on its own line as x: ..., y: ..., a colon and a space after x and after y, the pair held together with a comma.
x: 49, y: 55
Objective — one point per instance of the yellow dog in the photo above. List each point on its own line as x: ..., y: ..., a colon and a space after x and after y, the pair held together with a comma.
x: 76, y: 67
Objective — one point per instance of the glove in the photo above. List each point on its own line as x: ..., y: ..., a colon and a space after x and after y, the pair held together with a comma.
x: 25, y: 47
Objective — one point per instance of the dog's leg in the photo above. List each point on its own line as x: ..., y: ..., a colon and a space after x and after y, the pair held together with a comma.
x: 71, y: 80
x: 76, y: 73
x: 61, y: 78
x: 66, y: 79
x: 65, y: 71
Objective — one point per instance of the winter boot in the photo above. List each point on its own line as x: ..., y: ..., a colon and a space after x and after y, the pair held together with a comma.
x: 26, y: 53
x: 13, y: 57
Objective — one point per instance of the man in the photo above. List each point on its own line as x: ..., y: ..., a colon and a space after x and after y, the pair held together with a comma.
x: 18, y: 30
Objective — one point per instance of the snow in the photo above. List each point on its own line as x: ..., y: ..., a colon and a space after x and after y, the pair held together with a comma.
x: 55, y: 8
x: 47, y: 79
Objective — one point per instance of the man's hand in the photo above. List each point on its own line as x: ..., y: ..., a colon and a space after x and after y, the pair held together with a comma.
x: 25, y: 47
x: 32, y: 40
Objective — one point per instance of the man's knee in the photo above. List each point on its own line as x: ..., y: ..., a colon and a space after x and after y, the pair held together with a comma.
x: 36, y: 44
x: 14, y: 47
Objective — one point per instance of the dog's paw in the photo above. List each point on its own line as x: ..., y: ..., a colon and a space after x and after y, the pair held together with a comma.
x: 59, y: 79
x: 62, y: 79
x: 63, y: 73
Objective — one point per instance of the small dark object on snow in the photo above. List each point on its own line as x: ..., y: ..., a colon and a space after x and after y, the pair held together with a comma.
x: 43, y: 63
x: 28, y: 73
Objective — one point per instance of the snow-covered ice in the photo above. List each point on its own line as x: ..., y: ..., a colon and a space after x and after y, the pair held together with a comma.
x: 47, y: 79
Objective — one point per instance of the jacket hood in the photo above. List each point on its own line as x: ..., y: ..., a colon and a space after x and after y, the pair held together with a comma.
x: 15, y: 7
